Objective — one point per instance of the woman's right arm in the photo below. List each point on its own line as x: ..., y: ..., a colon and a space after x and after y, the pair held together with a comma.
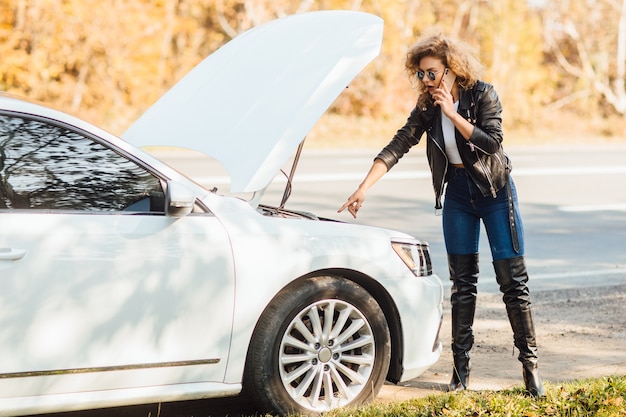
x: 354, y: 202
x: 405, y: 138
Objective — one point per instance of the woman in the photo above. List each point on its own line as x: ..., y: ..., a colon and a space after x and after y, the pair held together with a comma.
x: 462, y: 120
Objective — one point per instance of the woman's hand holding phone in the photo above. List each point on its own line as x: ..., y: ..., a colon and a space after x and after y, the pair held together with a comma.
x: 443, y: 95
x: 448, y: 78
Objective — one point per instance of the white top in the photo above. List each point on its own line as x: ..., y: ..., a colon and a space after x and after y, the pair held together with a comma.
x: 448, y: 137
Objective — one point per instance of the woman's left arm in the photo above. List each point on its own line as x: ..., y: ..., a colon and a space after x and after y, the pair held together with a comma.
x: 443, y: 98
x: 487, y: 134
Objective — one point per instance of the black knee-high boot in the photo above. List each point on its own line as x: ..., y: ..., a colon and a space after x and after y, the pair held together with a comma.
x: 464, y: 277
x: 512, y: 276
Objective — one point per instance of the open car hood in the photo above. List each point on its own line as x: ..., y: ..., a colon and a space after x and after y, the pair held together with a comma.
x: 250, y: 103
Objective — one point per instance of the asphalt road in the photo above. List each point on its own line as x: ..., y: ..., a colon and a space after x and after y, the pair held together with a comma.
x: 573, y: 202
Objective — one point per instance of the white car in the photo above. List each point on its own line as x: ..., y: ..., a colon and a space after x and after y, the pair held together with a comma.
x: 125, y: 282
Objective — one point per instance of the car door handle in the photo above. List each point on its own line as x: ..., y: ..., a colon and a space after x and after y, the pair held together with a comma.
x: 10, y: 254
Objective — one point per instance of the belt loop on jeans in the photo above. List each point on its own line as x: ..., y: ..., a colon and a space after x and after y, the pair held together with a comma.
x: 456, y: 169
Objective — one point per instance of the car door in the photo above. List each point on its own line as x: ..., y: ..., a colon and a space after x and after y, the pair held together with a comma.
x: 100, y: 289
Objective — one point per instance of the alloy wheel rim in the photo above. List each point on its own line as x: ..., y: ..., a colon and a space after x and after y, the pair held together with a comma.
x: 327, y: 355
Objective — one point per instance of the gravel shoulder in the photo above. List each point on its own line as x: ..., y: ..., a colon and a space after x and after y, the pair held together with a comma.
x: 581, y: 333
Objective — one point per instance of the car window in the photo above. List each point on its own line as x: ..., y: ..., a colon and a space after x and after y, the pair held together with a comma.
x: 48, y: 167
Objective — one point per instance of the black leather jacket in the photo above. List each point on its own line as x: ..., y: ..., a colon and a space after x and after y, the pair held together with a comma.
x: 482, y: 155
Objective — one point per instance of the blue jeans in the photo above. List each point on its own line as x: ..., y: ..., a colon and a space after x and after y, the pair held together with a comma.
x: 464, y: 206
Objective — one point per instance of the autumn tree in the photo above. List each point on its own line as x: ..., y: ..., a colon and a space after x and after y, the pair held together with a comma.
x: 104, y: 60
x: 588, y: 40
x: 108, y: 60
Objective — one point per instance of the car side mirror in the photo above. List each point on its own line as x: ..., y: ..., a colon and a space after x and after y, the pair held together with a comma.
x: 179, y: 200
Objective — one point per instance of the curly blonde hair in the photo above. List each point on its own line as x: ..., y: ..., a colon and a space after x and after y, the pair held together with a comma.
x: 455, y: 54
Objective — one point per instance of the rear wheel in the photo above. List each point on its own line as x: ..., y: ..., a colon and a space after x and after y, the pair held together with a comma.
x: 323, y: 343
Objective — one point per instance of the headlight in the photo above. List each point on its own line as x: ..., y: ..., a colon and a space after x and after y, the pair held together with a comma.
x: 415, y: 254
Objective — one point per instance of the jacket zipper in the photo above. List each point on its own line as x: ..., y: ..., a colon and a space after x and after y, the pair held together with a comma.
x: 485, y: 170
x: 445, y: 171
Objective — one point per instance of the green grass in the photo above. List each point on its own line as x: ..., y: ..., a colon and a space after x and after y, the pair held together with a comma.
x: 600, y: 397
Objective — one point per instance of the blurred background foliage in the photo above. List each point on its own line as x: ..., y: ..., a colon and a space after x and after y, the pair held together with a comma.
x: 558, y: 65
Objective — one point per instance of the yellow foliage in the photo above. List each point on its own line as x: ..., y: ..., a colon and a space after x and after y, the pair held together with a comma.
x: 108, y: 60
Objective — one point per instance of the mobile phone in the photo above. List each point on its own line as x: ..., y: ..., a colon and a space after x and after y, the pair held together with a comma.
x: 449, y: 77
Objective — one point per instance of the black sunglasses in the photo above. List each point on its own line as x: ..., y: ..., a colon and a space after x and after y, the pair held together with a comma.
x: 431, y: 74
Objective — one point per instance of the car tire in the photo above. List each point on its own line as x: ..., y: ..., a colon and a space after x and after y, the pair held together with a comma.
x: 324, y: 335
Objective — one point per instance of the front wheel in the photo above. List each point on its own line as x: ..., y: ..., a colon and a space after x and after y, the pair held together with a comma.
x: 323, y: 343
